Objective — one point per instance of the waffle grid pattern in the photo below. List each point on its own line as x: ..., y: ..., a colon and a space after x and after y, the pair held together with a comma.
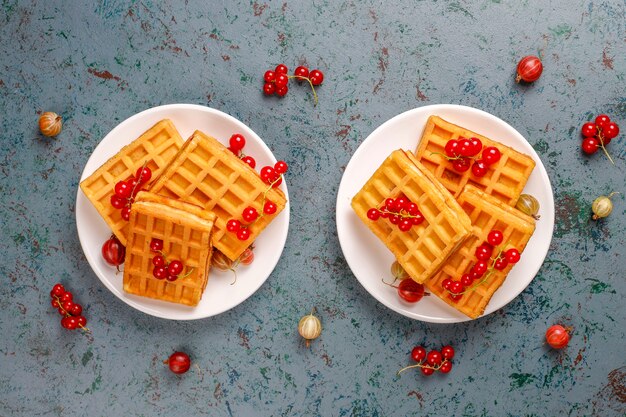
x: 486, y: 214
x: 184, y: 238
x: 157, y: 147
x: 207, y: 174
x: 504, y: 180
x: 423, y: 248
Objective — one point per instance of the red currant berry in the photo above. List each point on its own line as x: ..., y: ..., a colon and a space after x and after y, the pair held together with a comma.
x: 249, y: 160
x: 55, y: 303
x: 491, y: 155
x: 316, y: 76
x: 156, y: 245
x: 394, y: 219
x: 269, y: 89
x: 281, y: 167
x: 512, y: 256
x: 461, y: 165
x: 390, y: 205
x: 277, y: 181
x: 479, y: 168
x: 483, y: 252
x: 427, y: 371
x: 143, y: 175
x: 125, y: 213
x: 466, y: 280
x: 401, y: 203
x: 383, y: 214
x: 281, y: 69
x: 477, y: 146
x: 301, y: 71
x: 57, y: 290
x: 451, y: 148
x: 117, y: 202
x: 66, y: 323
x: 122, y: 189
x: 447, y: 352
x: 500, y: 263
x: 495, y: 237
x: 76, y: 310
x: 67, y: 305
x: 233, y: 225
x: 418, y: 353
x: 243, y: 233
x: 601, y: 120
x: 417, y: 219
x: 159, y: 272
x: 179, y: 362
x: 158, y: 260
x: 81, y: 321
x: 373, y: 214
x: 609, y: 131
x: 446, y: 283
x: 175, y: 267
x: 456, y: 287
x: 66, y: 296
x: 267, y: 173
x: 171, y: 278
x: 269, y: 208
x: 237, y: 142
x: 410, y: 291
x: 405, y: 224
x: 61, y: 311
x: 72, y: 323
x: 481, y: 267
x: 434, y: 358
x: 412, y: 209
x: 455, y: 297
x: 589, y: 130
x: 269, y: 76
x: 465, y: 147
x: 590, y: 145
x: 445, y: 367
x: 281, y: 81
x: 282, y: 91
x: 249, y: 214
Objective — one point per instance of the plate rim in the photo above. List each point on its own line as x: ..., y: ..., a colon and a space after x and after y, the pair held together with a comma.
x: 433, y: 109
x: 136, y: 301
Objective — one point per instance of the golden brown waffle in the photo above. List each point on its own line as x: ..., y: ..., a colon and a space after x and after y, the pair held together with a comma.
x: 487, y: 213
x: 504, y: 180
x: 185, y: 230
x: 155, y: 148
x: 423, y: 248
x: 207, y: 174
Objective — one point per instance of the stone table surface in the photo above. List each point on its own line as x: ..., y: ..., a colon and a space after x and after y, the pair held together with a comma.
x: 97, y: 63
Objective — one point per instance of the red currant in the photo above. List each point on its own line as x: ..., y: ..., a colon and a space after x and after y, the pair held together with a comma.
x: 267, y: 174
x: 66, y: 296
x: 418, y: 353
x: 610, y: 130
x: 175, y: 267
x: 410, y: 291
x: 125, y: 213
x: 243, y: 233
x: 143, y: 175
x: 237, y: 142
x: 501, y: 263
x: 401, y: 203
x: 477, y: 146
x: 171, y: 278
x: 456, y: 287
x: 249, y: 214
x: 156, y: 245
x: 590, y: 145
x: 451, y: 148
x: 57, y: 290
x: 412, y: 209
x: 117, y: 202
x: 76, y: 310
x: 159, y: 272
x: 455, y: 297
x: 461, y: 165
x: 589, y: 130
x: 158, y: 260
x: 281, y: 81
x: 281, y: 167
x: 269, y: 76
x: 233, y: 225
x: 390, y: 205
x: 249, y: 160
x: 446, y: 283
x: 405, y: 224
x: 394, y: 219
x: 479, y: 168
x: 301, y: 71
x: 495, y: 237
x: 69, y: 322
x: 465, y: 147
x: 447, y: 352
x: 601, y: 120
x: 417, y: 219
x: 282, y: 91
x: 512, y: 256
x: 281, y: 69
x: 434, y: 358
x: 55, y: 303
x: 481, y: 267
x: 269, y: 208
x: 373, y: 214
x: 122, y: 189
x: 179, y: 362
x: 491, y: 155
x: 269, y: 88
x: 483, y: 252
x: 445, y: 367
x: 316, y: 76
x: 466, y: 280
x: 81, y: 321
x: 427, y: 371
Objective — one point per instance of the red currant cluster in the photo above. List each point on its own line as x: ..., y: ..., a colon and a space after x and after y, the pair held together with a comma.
x: 162, y: 268
x: 236, y: 144
x: 277, y: 81
x: 483, y: 255
x: 63, y: 301
x: 599, y: 134
x: 400, y: 211
x: 432, y: 361
x: 463, y: 151
x: 125, y: 191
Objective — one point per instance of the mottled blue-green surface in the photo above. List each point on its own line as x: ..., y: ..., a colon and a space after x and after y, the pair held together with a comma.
x: 97, y: 63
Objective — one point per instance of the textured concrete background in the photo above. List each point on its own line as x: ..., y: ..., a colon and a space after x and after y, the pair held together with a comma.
x: 99, y: 63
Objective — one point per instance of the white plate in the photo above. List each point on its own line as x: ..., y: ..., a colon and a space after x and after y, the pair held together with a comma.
x: 368, y: 257
x: 219, y: 295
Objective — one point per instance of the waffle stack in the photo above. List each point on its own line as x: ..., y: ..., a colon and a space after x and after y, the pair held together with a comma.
x: 424, y: 248
x: 155, y: 148
x: 505, y: 179
x: 486, y: 213
x: 185, y: 230
x: 207, y: 174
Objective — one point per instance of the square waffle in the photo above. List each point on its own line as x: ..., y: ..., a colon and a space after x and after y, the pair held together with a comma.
x: 504, y: 180
x: 423, y: 248
x: 487, y: 213
x: 185, y: 230
x: 155, y: 148
x: 207, y: 174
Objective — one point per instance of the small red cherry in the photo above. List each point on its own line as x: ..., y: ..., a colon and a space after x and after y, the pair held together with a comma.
x: 113, y: 252
x: 446, y: 283
x: 589, y: 130
x: 282, y: 91
x: 158, y: 260
x: 57, y: 290
x: 412, y: 209
x: 481, y: 267
x: 466, y: 280
x: 405, y: 224
x: 178, y: 362
x: 456, y: 287
x: 66, y: 296
x: 76, y: 310
x: 81, y: 321
x: 316, y: 76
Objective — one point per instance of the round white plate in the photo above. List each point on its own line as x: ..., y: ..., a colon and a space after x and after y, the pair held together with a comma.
x: 219, y: 295
x: 368, y: 257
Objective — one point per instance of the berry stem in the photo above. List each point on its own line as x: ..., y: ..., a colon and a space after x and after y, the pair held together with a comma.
x: 299, y: 77
x: 422, y: 365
